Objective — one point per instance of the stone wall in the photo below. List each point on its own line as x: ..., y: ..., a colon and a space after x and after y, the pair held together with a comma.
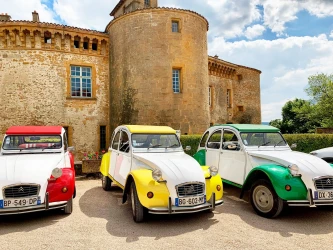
x: 143, y: 53
x: 35, y: 88
x: 243, y: 85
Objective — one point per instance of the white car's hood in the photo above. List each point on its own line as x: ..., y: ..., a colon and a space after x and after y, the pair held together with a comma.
x: 308, y: 164
x: 28, y: 168
x: 176, y: 167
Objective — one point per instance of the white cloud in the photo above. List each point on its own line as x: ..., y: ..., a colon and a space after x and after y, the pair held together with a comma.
x: 22, y: 10
x: 273, y: 110
x: 254, y: 31
x: 286, y: 64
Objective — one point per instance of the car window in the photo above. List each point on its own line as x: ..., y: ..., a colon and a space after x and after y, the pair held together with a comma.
x: 204, y: 139
x: 124, y: 145
x: 214, y: 140
x: 115, y: 142
x: 263, y: 139
x: 230, y: 140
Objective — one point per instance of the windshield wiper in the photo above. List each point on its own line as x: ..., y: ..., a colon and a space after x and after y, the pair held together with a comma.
x: 154, y: 146
x: 173, y: 146
x: 264, y: 144
x: 278, y: 143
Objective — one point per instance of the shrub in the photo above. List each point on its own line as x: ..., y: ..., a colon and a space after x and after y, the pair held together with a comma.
x: 305, y: 142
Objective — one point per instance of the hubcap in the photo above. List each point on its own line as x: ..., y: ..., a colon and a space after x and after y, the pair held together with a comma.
x: 132, y: 200
x: 263, y: 199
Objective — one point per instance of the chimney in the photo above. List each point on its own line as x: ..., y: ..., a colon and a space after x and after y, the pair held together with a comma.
x: 5, y: 17
x: 35, y: 16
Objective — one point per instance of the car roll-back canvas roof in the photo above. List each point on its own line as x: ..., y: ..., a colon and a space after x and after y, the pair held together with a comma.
x: 34, y: 130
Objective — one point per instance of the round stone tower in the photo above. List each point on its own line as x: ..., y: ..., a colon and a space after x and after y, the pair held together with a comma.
x: 158, y: 69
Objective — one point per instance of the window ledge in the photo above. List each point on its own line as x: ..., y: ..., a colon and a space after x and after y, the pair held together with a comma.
x: 81, y: 98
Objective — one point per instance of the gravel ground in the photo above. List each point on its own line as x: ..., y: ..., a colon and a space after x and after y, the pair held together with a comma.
x: 100, y: 221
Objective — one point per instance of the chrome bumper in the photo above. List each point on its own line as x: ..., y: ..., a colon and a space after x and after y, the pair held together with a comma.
x: 181, y: 210
x: 36, y: 208
x: 310, y: 202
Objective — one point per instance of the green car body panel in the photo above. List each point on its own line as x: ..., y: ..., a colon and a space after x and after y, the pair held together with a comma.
x: 200, y: 156
x: 280, y: 177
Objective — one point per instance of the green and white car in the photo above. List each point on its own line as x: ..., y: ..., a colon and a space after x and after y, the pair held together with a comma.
x: 257, y: 158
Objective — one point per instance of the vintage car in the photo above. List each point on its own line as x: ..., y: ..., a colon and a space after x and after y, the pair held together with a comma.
x: 36, y: 170
x: 149, y: 164
x: 257, y: 158
x: 325, y: 153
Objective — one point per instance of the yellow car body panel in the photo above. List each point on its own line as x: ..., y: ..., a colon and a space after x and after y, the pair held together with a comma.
x: 145, y: 183
x: 142, y: 129
x: 212, y: 183
x: 104, y: 168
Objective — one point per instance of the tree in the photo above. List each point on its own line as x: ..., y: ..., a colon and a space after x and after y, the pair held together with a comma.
x: 297, y: 117
x: 320, y: 90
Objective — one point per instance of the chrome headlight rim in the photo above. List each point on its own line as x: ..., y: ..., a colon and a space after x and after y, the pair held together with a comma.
x: 213, y: 170
x: 157, y: 174
x: 56, y: 173
x: 293, y: 169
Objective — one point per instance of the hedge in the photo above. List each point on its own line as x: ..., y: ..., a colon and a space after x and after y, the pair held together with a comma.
x: 305, y: 142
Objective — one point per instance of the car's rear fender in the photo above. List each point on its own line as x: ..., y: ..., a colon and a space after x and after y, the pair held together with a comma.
x: 145, y: 183
x: 280, y: 177
x: 104, y: 168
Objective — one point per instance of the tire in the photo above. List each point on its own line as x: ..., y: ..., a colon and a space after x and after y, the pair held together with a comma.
x: 106, y: 183
x: 264, y: 199
x: 69, y: 207
x: 138, y: 210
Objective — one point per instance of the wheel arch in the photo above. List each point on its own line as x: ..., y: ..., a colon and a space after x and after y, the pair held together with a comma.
x: 127, y: 187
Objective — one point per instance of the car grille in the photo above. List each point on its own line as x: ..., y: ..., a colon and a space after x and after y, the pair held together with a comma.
x: 190, y: 189
x: 19, y: 191
x: 324, y: 183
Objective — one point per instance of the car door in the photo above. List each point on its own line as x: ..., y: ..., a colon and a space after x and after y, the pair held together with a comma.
x: 213, y: 146
x: 232, y: 158
x: 123, y: 162
x: 114, y: 153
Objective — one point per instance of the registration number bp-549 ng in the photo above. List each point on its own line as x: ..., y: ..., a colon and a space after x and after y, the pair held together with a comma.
x: 190, y: 201
x: 22, y: 202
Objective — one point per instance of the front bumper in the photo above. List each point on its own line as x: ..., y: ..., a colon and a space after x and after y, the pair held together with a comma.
x: 182, y: 210
x: 22, y: 210
x: 310, y: 202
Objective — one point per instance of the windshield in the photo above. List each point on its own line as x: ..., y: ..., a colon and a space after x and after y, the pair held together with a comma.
x: 26, y: 142
x: 155, y: 141
x: 263, y: 139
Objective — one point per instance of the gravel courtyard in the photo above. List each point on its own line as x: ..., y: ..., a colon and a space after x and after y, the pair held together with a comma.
x: 100, y: 221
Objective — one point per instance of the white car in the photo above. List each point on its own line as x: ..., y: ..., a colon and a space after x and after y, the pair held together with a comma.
x: 149, y: 164
x: 36, y: 170
x: 257, y: 158
x: 325, y: 153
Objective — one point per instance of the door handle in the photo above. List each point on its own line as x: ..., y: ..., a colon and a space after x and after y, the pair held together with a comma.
x: 221, y: 152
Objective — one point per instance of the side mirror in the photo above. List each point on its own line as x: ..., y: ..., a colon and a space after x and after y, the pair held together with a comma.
x: 71, y: 149
x: 294, y: 145
x: 187, y: 148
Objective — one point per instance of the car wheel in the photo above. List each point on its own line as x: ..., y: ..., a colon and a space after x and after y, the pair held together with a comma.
x: 69, y: 207
x: 138, y: 210
x: 264, y: 199
x: 106, y: 183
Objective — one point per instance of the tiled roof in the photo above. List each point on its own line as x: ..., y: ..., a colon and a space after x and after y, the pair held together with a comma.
x: 231, y: 64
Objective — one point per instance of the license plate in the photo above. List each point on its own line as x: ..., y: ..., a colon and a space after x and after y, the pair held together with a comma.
x: 22, y: 202
x: 323, y: 195
x: 190, y: 201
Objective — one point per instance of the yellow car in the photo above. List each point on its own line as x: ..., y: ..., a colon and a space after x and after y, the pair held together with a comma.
x: 149, y: 164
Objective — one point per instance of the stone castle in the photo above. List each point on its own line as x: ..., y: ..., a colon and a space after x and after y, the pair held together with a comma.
x: 149, y: 66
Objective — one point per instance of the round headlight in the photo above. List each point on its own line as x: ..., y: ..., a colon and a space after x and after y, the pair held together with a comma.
x: 293, y: 168
x: 157, y: 174
x: 213, y: 170
x: 57, y: 172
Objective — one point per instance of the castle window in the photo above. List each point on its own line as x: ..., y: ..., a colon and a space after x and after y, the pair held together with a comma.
x: 147, y: 3
x: 241, y: 108
x: 76, y: 42
x: 102, y: 137
x: 229, y: 98
x: 47, y: 37
x: 176, y: 80
x: 94, y: 44
x: 175, y: 26
x: 81, y: 82
x: 86, y: 43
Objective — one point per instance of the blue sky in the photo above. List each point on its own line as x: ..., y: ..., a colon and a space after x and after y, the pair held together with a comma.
x: 288, y: 40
